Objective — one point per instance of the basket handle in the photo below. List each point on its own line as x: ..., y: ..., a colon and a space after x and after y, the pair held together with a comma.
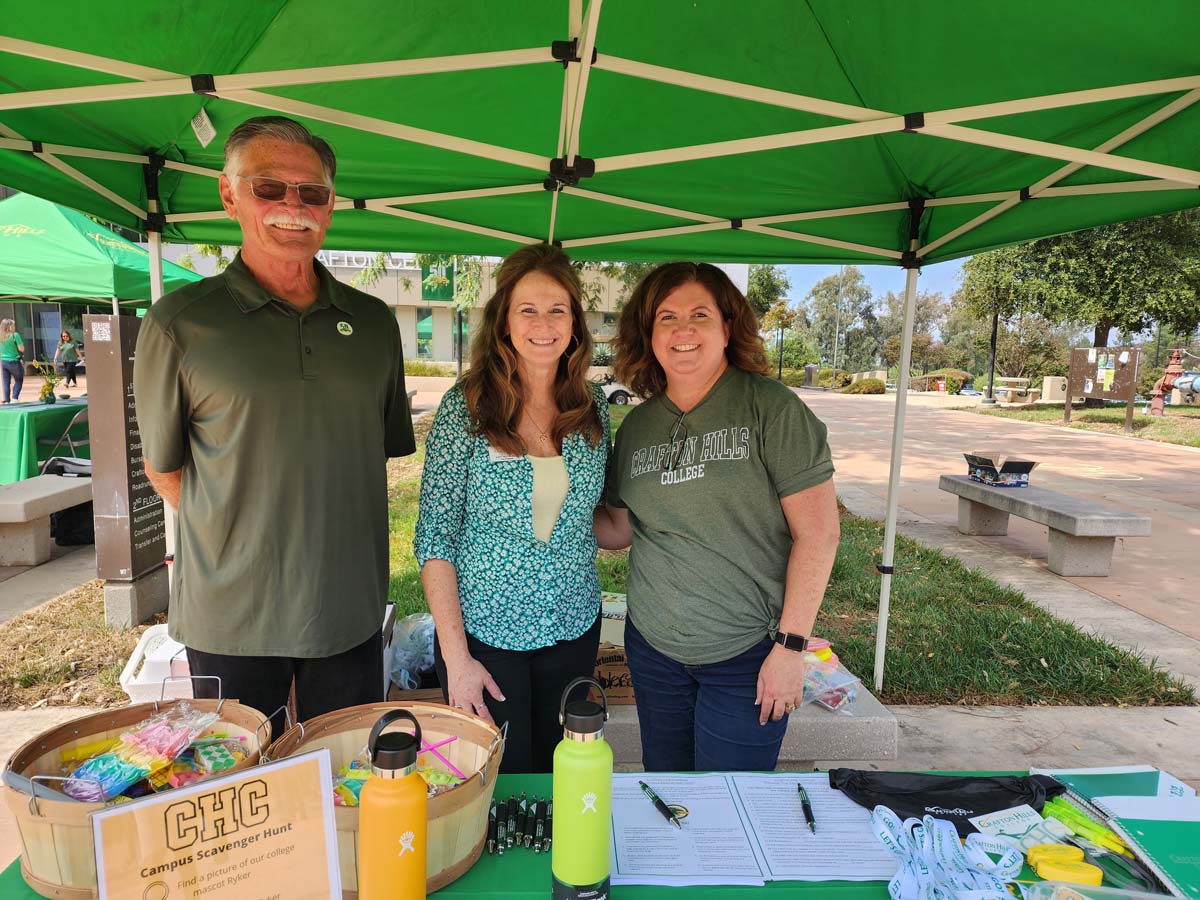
x: 35, y: 810
x: 562, y: 707
x: 387, y: 719
x: 501, y: 738
x: 162, y: 691
x: 287, y: 720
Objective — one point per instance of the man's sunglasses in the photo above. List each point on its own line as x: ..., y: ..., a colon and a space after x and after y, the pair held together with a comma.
x: 275, y: 190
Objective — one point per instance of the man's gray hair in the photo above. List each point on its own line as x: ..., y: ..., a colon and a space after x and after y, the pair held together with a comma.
x: 278, y: 128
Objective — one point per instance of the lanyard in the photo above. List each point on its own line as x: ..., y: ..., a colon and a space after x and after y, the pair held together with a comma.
x: 935, y: 865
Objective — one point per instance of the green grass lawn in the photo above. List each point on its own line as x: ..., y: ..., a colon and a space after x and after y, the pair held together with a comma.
x: 1179, y: 425
x: 955, y: 636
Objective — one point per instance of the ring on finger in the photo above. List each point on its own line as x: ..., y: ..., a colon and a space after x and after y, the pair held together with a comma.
x: 790, y: 707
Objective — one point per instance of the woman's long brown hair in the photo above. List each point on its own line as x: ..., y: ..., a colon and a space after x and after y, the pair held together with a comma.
x: 634, y: 362
x: 492, y: 387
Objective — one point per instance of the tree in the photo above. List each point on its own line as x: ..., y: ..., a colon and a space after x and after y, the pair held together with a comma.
x: 1127, y: 276
x: 929, y: 312
x: 835, y: 303
x: 767, y: 286
x: 213, y: 251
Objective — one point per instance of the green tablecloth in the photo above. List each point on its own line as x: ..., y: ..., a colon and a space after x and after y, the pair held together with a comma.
x: 525, y: 875
x: 21, y: 424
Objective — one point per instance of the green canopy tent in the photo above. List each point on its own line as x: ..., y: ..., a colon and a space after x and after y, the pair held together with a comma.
x: 826, y: 131
x: 50, y: 252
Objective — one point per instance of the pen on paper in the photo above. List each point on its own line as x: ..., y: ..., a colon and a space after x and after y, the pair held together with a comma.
x: 659, y: 805
x: 808, y: 813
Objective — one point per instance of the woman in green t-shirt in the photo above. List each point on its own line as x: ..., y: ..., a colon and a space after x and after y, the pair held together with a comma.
x: 68, y: 354
x: 11, y: 351
x: 722, y: 481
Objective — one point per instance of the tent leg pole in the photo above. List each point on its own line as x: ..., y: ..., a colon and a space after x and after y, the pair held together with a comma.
x: 116, y: 307
x: 889, y: 536
x: 156, y: 292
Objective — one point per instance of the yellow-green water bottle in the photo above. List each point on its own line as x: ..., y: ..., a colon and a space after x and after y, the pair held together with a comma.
x: 583, y: 765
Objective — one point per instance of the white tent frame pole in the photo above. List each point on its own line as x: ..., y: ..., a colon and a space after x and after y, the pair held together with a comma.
x: 570, y: 87
x: 180, y: 85
x: 72, y: 172
x: 1157, y: 117
x: 450, y: 223
x: 586, y: 45
x: 643, y: 235
x: 889, y: 528
x: 473, y: 194
x: 823, y: 241
x: 646, y: 207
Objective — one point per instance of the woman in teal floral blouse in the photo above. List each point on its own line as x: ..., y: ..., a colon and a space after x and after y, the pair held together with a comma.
x: 514, y: 467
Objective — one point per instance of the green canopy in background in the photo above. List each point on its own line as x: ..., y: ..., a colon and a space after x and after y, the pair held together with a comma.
x: 775, y: 131
x: 50, y: 251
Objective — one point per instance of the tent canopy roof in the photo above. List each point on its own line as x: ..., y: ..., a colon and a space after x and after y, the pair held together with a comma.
x: 772, y: 131
x: 47, y: 250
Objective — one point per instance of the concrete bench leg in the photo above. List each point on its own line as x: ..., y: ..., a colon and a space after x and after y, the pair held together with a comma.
x: 1070, y: 555
x: 976, y: 518
x: 25, y: 543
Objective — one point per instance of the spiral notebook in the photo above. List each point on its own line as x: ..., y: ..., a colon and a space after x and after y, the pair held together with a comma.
x: 1155, y: 813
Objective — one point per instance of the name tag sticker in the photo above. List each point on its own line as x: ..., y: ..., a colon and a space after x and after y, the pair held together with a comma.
x: 496, y: 456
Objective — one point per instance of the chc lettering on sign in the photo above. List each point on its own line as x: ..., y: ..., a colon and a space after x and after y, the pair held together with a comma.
x: 268, y: 831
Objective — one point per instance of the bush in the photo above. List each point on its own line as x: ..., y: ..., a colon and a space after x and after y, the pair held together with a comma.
x: 865, y: 386
x: 955, y: 379
x: 421, y: 367
x: 826, y: 378
x: 793, y: 377
x: 1148, y: 374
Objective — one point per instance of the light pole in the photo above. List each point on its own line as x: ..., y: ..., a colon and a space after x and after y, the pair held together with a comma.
x: 837, y: 325
x: 990, y: 398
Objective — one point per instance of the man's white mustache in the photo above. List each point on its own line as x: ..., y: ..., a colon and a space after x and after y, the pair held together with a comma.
x: 280, y: 218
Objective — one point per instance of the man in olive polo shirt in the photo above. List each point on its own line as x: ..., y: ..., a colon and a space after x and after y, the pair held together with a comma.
x: 269, y: 398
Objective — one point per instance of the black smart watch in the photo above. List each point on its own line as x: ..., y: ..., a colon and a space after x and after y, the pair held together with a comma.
x: 797, y: 642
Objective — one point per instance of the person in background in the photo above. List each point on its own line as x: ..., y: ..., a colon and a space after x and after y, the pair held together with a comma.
x: 514, y: 468
x: 12, y: 348
x: 721, y: 480
x: 270, y: 398
x: 67, y: 353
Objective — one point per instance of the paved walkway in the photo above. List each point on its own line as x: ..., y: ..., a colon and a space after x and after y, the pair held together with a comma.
x: 1155, y: 577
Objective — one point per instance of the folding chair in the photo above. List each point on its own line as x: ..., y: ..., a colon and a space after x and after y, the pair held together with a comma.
x: 80, y: 418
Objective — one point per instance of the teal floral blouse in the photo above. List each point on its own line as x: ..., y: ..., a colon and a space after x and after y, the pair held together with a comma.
x: 516, y: 592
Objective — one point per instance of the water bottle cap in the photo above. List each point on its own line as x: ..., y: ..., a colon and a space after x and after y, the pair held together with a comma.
x: 583, y: 717
x: 397, y: 749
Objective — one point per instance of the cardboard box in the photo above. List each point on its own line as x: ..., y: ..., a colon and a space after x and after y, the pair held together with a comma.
x: 612, y: 671
x: 998, y: 469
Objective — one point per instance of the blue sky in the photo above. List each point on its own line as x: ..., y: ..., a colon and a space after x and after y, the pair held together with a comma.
x: 941, y: 277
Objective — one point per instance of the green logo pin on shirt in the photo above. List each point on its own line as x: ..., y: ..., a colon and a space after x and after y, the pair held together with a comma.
x: 345, y: 329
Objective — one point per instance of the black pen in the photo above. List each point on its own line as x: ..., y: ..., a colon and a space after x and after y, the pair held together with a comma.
x: 501, y: 827
x: 491, y: 839
x: 522, y: 809
x: 512, y: 818
x: 539, y: 826
x: 808, y: 816
x: 659, y: 805
x: 549, y: 828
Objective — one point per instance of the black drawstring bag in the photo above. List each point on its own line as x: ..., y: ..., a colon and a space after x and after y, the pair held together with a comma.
x: 955, y: 798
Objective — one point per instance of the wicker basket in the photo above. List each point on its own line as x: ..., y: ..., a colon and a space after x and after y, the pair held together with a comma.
x: 58, y: 859
x: 457, y: 818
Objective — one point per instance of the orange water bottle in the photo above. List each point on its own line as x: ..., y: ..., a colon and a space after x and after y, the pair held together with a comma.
x: 392, y: 816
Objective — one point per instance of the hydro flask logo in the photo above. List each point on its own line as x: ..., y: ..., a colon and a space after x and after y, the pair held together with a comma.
x: 589, y: 802
x: 406, y: 843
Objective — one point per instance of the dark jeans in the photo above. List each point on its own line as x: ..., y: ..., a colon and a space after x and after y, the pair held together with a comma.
x: 701, y: 718
x: 322, y: 685
x: 69, y: 367
x: 532, y: 682
x: 14, y: 374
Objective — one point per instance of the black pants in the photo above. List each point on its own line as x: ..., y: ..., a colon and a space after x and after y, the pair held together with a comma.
x: 70, y: 369
x: 532, y: 682
x: 322, y: 685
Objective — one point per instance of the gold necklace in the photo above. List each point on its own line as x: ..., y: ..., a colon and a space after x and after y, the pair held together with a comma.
x: 541, y: 431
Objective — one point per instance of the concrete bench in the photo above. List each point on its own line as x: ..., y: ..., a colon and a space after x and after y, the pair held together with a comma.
x: 1082, y: 532
x: 25, y: 508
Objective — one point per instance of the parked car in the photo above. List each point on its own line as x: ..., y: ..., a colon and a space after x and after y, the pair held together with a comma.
x: 617, y: 393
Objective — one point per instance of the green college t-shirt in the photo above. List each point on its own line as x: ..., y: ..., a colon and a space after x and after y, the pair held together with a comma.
x: 8, y: 347
x: 710, y: 541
